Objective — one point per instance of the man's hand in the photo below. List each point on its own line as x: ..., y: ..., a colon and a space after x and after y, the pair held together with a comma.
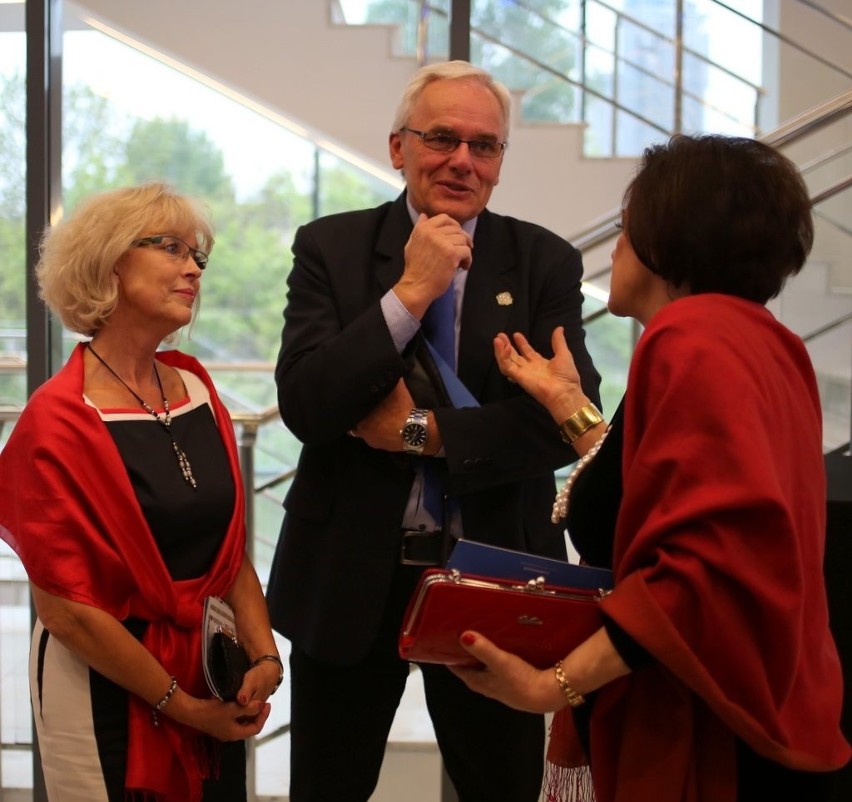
x: 381, y: 426
x: 437, y: 247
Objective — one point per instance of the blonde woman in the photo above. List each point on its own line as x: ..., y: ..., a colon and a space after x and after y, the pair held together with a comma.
x: 122, y: 497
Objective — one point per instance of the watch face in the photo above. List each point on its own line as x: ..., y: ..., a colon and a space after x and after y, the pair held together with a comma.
x: 414, y: 434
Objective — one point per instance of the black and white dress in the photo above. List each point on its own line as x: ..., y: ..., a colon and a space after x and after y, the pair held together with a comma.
x: 81, y: 717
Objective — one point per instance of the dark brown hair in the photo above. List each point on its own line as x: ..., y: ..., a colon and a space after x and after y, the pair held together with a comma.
x: 719, y: 214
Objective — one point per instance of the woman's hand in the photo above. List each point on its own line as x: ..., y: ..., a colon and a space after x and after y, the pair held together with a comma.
x: 252, y: 622
x: 507, y: 678
x: 225, y: 721
x: 554, y: 383
x: 259, y: 682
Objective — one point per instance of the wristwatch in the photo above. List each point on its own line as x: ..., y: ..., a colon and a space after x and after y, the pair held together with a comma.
x: 414, y: 432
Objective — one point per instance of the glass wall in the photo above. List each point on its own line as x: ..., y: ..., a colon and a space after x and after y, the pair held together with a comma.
x: 15, y: 730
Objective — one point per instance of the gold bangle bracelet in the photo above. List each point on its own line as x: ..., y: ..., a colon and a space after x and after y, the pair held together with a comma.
x: 579, y: 423
x: 574, y: 699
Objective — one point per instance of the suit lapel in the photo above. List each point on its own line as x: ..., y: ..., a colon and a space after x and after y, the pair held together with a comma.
x: 490, y: 292
x: 394, y: 232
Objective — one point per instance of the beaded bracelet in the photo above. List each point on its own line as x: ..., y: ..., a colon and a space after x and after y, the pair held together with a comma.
x: 163, y: 702
x: 579, y: 423
x: 274, y: 658
x: 574, y: 699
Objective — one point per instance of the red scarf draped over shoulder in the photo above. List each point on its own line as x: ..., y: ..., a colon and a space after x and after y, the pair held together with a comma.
x: 718, y: 561
x: 69, y: 511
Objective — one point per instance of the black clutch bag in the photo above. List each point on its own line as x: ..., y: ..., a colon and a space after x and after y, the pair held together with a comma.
x: 227, y: 663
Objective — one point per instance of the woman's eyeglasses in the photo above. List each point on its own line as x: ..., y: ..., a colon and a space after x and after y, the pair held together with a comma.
x: 174, y: 246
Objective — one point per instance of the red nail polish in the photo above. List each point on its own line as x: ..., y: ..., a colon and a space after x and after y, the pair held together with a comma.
x: 468, y: 639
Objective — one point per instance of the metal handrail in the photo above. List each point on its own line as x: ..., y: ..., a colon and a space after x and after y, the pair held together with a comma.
x: 787, y: 40
x: 830, y: 192
x: 812, y: 119
x: 834, y: 324
x: 795, y: 129
x: 846, y: 22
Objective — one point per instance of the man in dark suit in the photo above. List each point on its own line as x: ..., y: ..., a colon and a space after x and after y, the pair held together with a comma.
x: 358, y: 531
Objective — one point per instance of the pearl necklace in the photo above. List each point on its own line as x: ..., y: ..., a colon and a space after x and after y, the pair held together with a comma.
x: 560, y: 505
x: 165, y: 422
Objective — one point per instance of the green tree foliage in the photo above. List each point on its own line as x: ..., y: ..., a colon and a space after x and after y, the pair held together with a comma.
x: 249, y: 268
x: 342, y: 189
x: 172, y: 151
x: 12, y: 199
x: 12, y: 147
x: 92, y: 145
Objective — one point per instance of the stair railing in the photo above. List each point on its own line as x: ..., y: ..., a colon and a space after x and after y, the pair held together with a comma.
x: 586, y: 45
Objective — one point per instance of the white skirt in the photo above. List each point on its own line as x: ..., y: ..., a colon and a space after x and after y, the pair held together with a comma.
x: 61, y: 693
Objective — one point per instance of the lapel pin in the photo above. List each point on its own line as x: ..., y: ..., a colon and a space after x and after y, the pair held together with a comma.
x: 505, y: 298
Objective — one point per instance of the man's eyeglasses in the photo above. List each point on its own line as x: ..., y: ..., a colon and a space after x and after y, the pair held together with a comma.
x: 447, y: 143
x: 173, y: 246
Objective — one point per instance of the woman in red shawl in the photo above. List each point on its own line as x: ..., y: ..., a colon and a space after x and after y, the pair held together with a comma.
x: 123, y: 499
x: 714, y: 677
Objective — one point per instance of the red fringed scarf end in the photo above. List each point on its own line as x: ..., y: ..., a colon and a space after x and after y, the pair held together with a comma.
x: 567, y: 777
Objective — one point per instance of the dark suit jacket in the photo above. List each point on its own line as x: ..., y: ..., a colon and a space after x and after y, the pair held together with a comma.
x: 340, y: 539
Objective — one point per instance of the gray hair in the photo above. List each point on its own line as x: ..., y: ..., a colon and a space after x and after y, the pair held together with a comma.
x: 450, y: 71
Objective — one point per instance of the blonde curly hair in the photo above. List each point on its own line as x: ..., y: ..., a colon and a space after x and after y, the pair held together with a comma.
x: 78, y: 254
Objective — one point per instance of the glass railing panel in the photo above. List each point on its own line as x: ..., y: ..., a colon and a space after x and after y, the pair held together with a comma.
x: 625, y: 53
x: 718, y: 102
x: 610, y: 343
x: 599, y: 136
x: 831, y: 354
x: 723, y: 56
x: 817, y: 304
x: 531, y: 47
x: 797, y: 78
x: 832, y: 351
x: 629, y: 131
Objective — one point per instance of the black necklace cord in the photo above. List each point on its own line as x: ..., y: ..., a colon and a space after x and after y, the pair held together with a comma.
x: 164, y: 421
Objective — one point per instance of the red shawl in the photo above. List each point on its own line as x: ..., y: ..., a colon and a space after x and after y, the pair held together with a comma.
x: 719, y: 561
x: 70, y: 513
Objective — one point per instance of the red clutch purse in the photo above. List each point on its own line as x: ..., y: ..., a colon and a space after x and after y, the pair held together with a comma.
x: 540, y: 623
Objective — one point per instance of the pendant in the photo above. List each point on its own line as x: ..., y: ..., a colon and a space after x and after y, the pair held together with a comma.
x: 184, y: 465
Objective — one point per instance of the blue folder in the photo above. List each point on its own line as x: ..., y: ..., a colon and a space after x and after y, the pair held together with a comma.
x: 480, y: 559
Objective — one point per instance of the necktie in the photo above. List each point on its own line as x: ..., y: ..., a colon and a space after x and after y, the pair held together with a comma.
x: 439, y: 328
x: 439, y: 325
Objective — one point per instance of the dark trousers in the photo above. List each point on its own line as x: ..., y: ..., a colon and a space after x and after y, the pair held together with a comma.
x: 341, y: 716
